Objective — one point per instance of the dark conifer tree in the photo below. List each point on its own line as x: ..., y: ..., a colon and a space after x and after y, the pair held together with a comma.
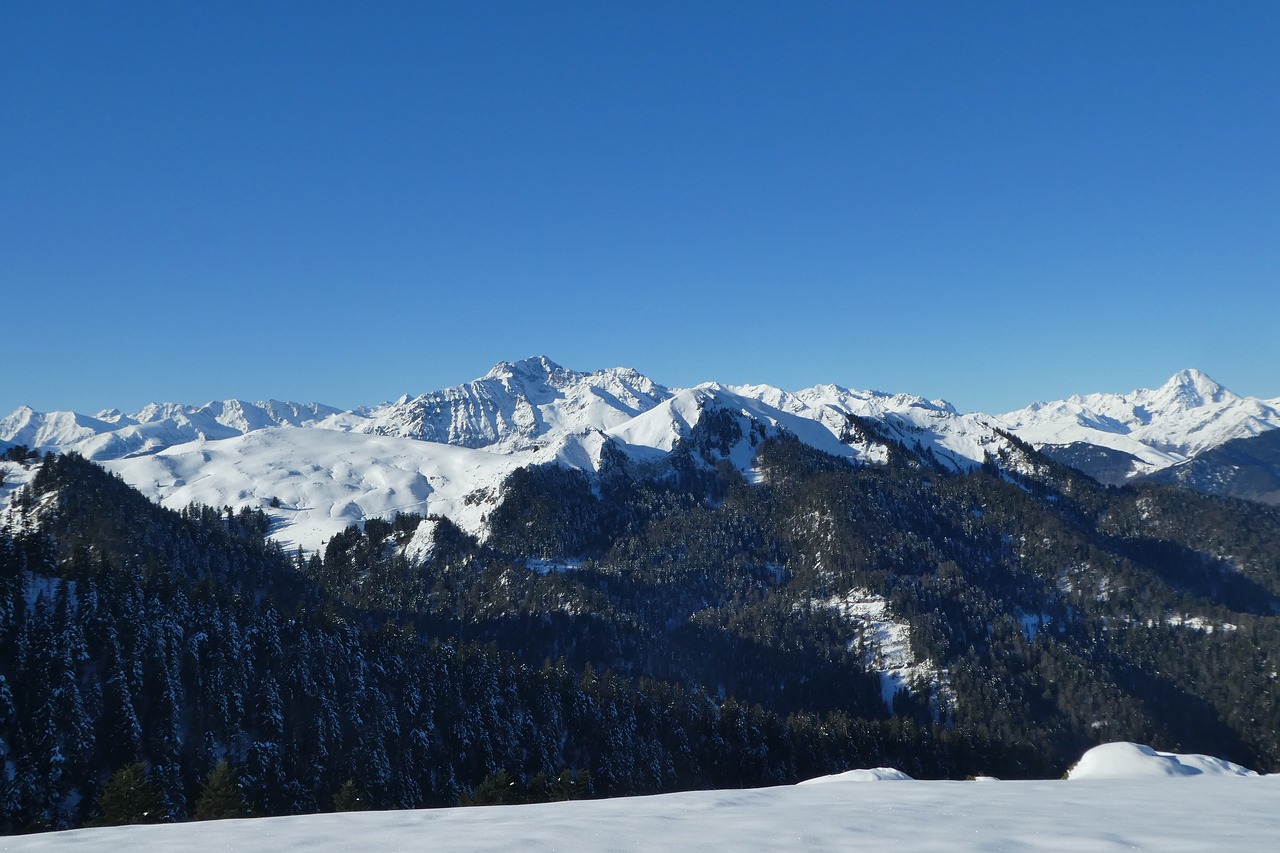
x: 221, y: 797
x: 130, y: 796
x: 350, y: 798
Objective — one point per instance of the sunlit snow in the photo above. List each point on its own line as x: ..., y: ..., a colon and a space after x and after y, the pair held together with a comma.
x: 1122, y: 806
x: 1138, y: 761
x: 323, y: 480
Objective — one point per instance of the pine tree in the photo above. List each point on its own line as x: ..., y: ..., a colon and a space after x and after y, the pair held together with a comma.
x: 350, y: 798
x: 130, y: 796
x: 221, y: 797
x: 498, y: 790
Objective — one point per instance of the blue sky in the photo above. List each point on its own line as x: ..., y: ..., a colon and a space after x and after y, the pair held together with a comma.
x: 991, y: 202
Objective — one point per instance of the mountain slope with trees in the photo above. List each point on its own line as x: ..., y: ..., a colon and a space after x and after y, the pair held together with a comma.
x: 651, y: 626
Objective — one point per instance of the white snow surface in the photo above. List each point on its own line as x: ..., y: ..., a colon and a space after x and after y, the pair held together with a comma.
x: 1187, y: 415
x: 657, y: 431
x: 324, y: 480
x: 874, y: 774
x: 1104, y: 815
x: 1137, y: 761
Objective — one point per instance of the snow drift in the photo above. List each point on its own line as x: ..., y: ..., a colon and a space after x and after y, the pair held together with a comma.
x: 1137, y: 761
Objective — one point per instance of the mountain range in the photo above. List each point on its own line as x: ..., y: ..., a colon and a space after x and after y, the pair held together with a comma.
x: 546, y: 584
x: 316, y: 469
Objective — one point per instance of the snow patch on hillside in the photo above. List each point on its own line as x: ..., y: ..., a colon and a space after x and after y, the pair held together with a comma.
x: 423, y: 541
x: 13, y: 476
x: 1196, y: 623
x: 885, y: 644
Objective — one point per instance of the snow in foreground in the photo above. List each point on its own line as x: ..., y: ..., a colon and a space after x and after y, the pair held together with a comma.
x: 1123, y: 807
x: 1136, y: 761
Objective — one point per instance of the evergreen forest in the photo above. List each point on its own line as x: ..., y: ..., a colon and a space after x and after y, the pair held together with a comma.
x: 651, y: 628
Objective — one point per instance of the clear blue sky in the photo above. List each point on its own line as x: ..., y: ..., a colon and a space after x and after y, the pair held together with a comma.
x: 991, y: 202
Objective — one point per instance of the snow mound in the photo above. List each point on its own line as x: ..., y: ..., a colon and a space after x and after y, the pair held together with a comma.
x: 1136, y: 761
x: 875, y: 774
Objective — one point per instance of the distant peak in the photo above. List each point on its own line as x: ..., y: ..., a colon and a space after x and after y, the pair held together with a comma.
x: 1194, y: 388
x: 538, y: 366
x: 1191, y: 376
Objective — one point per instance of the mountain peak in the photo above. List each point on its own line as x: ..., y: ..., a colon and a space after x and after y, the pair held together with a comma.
x: 535, y: 367
x: 1192, y: 388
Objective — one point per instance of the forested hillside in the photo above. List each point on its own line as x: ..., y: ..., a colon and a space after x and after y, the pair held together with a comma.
x: 655, y: 627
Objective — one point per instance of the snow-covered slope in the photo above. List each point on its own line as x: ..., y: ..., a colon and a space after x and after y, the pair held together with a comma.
x: 51, y: 430
x: 659, y: 430
x: 324, y: 480
x: 13, y: 476
x: 1158, y: 428
x: 957, y: 441
x: 1222, y: 813
x: 885, y: 643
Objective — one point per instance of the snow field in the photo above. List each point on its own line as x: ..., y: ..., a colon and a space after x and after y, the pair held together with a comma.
x: 1206, y: 813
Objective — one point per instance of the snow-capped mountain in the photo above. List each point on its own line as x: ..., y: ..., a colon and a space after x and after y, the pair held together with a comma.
x: 1116, y: 437
x: 317, y: 468
x: 958, y: 441
x: 113, y: 434
x: 519, y: 406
